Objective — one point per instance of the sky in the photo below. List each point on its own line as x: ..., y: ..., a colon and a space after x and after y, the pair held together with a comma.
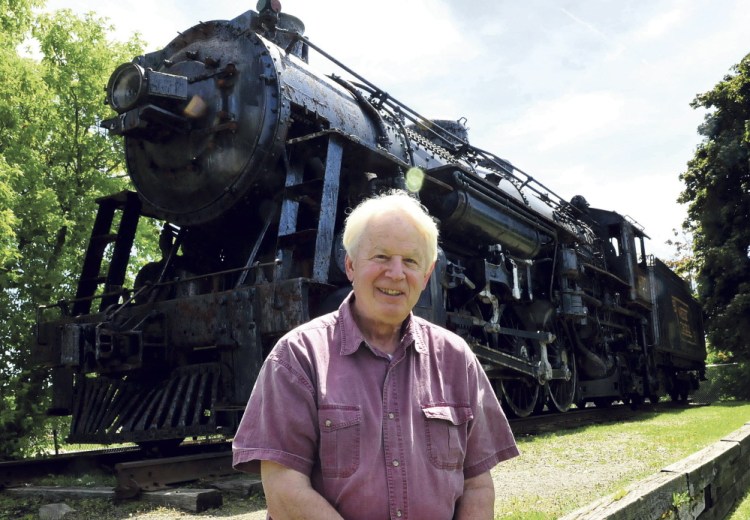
x: 590, y: 97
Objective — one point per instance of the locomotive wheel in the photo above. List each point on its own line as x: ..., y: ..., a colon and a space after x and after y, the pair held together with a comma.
x: 562, y: 392
x: 520, y: 395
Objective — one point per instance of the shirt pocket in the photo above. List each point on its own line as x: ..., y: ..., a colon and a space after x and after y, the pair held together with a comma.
x: 446, y: 431
x: 339, y: 440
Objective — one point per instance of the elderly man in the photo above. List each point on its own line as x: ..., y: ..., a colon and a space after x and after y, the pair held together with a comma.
x: 370, y: 411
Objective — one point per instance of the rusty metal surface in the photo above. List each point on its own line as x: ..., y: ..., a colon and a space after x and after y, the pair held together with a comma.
x: 118, y: 410
x: 151, y: 475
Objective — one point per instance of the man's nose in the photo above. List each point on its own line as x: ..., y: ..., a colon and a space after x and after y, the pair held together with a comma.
x: 396, y: 267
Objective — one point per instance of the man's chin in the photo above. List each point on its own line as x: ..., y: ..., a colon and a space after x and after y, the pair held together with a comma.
x: 393, y: 314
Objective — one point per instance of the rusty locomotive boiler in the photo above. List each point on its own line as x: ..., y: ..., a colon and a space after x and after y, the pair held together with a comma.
x: 249, y: 159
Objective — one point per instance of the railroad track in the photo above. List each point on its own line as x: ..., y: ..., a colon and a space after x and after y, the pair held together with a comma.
x: 548, y: 422
x: 136, y: 470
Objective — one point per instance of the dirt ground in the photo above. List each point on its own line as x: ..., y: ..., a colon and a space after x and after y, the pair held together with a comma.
x: 518, y: 479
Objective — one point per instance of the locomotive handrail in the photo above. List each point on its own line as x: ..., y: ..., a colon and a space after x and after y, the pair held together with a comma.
x: 529, y: 181
x: 637, y: 225
x: 383, y: 137
x: 62, y: 304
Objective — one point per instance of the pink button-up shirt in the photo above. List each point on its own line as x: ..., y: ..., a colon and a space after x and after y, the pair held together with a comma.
x: 379, y: 437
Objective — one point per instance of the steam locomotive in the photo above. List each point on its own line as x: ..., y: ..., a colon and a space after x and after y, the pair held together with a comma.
x: 248, y: 159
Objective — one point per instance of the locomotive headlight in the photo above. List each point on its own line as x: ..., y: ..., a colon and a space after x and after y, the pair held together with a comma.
x: 127, y: 86
x: 130, y: 84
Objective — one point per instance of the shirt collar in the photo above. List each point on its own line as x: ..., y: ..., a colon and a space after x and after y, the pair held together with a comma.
x: 352, y: 338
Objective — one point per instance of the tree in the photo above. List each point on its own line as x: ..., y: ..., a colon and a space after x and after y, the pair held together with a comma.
x: 15, y: 22
x: 682, y: 261
x: 54, y: 161
x: 717, y: 190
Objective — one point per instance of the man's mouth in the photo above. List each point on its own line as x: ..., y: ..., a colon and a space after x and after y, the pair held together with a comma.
x: 390, y: 292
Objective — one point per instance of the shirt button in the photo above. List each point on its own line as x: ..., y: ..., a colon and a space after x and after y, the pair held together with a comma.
x: 398, y: 513
x: 328, y: 423
x: 391, y: 416
x: 395, y: 463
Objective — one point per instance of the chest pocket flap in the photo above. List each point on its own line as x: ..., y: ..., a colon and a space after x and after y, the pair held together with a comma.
x: 335, y: 417
x: 454, y: 414
x: 446, y: 431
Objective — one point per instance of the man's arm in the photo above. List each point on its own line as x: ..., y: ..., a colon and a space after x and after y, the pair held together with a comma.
x: 478, y: 500
x: 289, y: 494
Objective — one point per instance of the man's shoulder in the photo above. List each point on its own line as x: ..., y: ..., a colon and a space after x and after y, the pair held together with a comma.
x: 324, y: 321
x: 437, y: 334
x: 316, y: 327
x: 432, y: 328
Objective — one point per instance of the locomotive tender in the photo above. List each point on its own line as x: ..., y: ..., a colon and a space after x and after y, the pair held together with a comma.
x: 249, y: 159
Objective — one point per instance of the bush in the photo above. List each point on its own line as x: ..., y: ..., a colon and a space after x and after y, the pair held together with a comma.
x: 725, y: 382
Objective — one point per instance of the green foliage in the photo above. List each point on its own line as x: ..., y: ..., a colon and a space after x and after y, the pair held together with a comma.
x: 683, y: 261
x: 717, y: 190
x: 727, y: 382
x: 8, y: 253
x: 15, y: 19
x: 680, y: 499
x: 54, y: 161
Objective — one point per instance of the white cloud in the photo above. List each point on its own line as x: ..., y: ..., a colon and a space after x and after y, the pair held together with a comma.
x: 572, y: 118
x: 663, y: 24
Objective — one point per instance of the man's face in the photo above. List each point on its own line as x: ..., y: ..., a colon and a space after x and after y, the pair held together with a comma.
x: 389, y: 270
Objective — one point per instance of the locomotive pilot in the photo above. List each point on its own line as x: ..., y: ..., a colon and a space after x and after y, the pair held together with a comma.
x: 371, y: 411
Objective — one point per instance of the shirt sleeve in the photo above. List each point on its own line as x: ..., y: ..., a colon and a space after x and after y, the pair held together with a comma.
x: 279, y: 423
x: 490, y: 439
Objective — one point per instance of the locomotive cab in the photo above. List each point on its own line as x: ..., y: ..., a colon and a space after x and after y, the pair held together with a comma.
x: 625, y: 254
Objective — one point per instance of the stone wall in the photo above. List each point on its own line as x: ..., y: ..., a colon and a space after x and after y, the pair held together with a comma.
x: 705, y: 486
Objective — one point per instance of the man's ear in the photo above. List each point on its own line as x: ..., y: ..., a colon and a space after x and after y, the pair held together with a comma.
x: 427, y: 276
x: 349, y: 267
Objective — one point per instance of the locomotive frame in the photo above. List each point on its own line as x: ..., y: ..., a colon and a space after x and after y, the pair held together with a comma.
x: 250, y: 158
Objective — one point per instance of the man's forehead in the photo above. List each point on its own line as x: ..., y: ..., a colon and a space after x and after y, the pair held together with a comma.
x: 393, y: 231
x: 412, y: 249
x: 397, y: 247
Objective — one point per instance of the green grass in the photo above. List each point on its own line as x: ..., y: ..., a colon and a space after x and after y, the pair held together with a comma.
x: 560, y: 472
x: 742, y: 511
